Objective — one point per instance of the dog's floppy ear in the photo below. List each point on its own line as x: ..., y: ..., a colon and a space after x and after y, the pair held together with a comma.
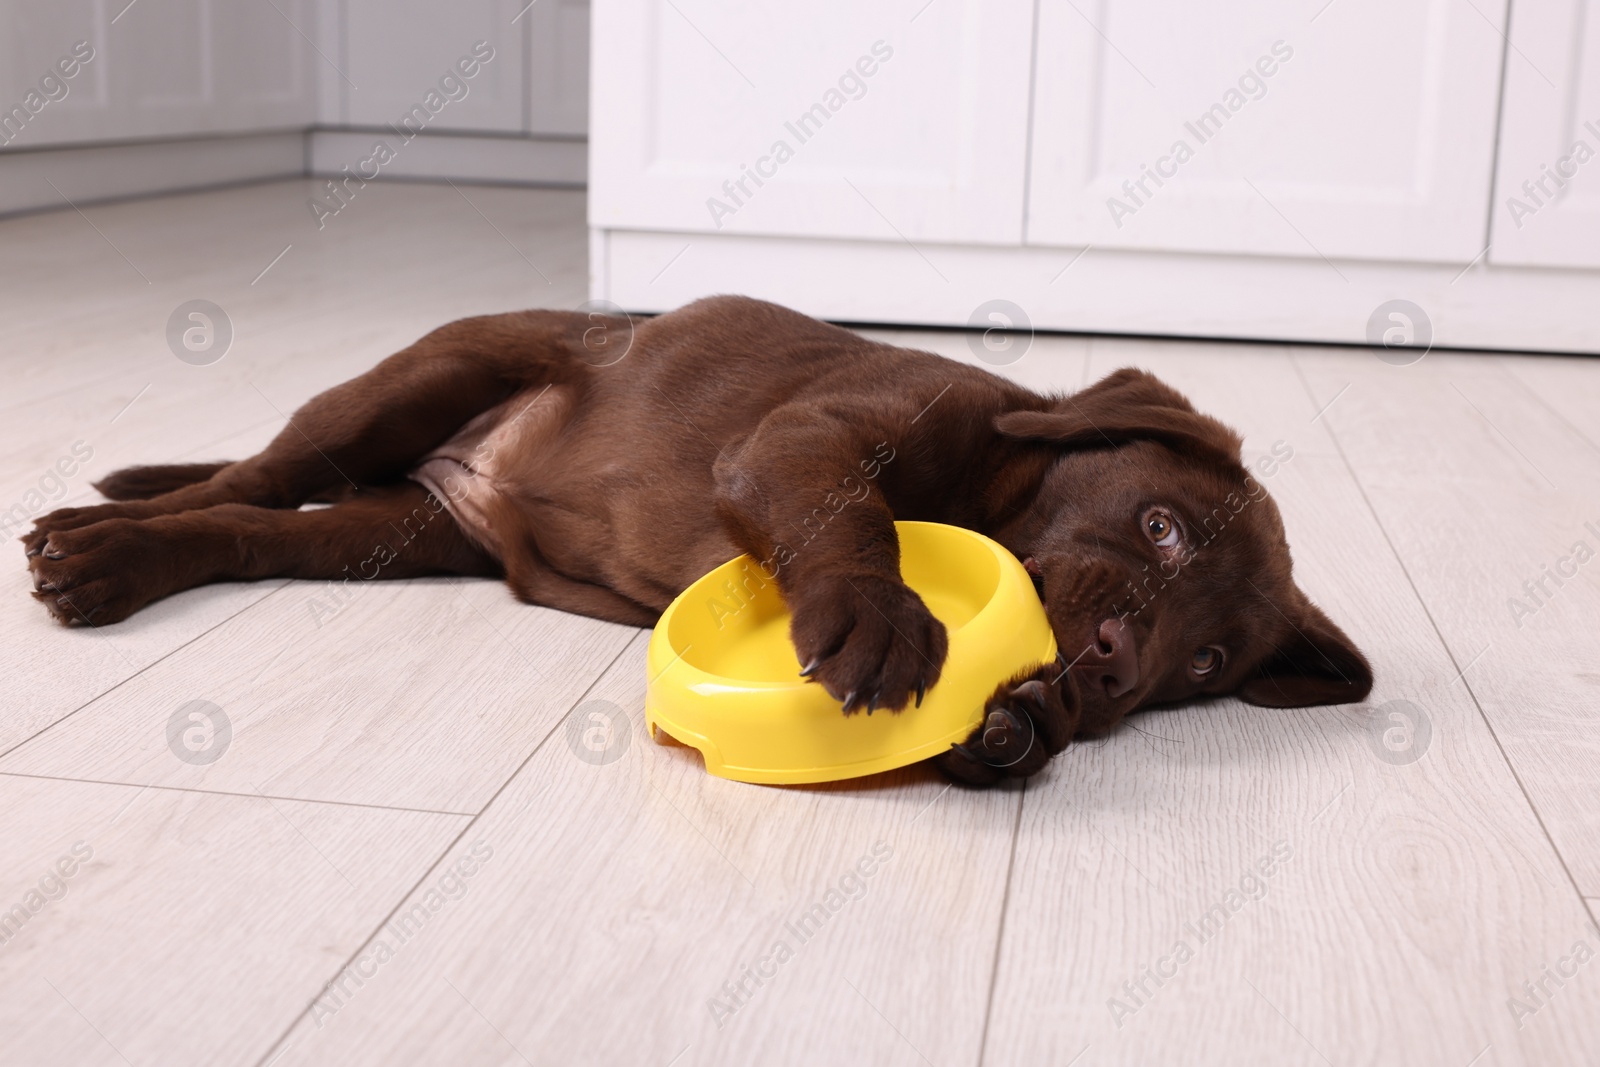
x: 1315, y: 664
x: 1126, y: 405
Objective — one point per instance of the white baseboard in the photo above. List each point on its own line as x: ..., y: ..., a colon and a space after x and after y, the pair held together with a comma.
x: 459, y: 157
x: 38, y: 179
x: 93, y: 173
x: 1167, y: 294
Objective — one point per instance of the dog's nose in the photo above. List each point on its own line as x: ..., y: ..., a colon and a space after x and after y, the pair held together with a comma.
x: 1112, y: 660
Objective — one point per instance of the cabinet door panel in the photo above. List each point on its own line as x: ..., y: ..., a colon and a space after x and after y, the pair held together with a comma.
x: 828, y: 119
x: 401, y: 49
x: 159, y: 68
x: 1356, y: 128
x: 33, y: 39
x: 1548, y: 184
x: 267, y: 64
x: 558, y: 68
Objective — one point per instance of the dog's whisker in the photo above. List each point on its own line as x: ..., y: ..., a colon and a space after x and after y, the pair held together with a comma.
x: 1159, y: 737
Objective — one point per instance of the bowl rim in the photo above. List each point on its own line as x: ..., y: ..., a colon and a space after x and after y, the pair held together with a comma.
x: 703, y: 676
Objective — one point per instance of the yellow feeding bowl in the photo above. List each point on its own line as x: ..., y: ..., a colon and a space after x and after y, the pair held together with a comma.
x: 724, y: 676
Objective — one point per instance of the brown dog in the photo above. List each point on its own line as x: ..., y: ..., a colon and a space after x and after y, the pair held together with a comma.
x: 601, y: 469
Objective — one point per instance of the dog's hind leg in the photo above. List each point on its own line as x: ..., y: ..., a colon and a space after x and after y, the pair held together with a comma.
x: 142, y: 483
x: 145, y: 483
x: 370, y: 430
x: 104, y: 572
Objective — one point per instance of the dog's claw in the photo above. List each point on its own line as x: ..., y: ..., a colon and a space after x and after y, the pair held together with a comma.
x: 922, y: 690
x: 965, y: 751
x: 872, y: 705
x: 811, y: 668
x: 997, y: 731
x: 1033, y: 691
x: 849, y: 699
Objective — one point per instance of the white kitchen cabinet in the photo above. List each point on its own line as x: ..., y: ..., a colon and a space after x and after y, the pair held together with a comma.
x: 537, y: 82
x: 1246, y: 127
x: 166, y: 95
x: 159, y: 68
x: 404, y: 55
x: 1339, y: 155
x: 187, y: 68
x: 832, y: 119
x: 1547, y: 209
x: 558, y: 68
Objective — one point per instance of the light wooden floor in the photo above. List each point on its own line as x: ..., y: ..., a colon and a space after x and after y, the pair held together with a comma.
x: 398, y: 858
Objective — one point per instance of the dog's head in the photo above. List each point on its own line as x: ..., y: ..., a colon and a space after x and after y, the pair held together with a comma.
x: 1162, y: 561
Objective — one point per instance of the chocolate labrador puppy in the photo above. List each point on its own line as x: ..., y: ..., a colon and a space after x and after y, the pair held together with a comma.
x: 600, y: 467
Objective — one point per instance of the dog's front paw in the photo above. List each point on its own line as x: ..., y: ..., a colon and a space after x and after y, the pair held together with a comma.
x: 69, y: 519
x: 93, y: 575
x: 1025, y: 722
x: 870, y: 641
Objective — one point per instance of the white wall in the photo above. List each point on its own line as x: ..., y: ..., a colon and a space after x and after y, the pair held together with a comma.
x: 231, y: 78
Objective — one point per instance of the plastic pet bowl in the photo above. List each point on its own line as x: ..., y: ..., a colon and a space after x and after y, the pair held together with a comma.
x: 725, y: 679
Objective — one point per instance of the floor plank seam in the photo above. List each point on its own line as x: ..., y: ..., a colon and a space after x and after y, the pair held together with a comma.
x: 1000, y: 932
x: 231, y: 793
x: 227, y: 436
x: 1445, y: 645
x: 84, y: 494
x: 158, y: 660
x: 268, y: 1056
x: 1539, y: 399
x: 74, y: 390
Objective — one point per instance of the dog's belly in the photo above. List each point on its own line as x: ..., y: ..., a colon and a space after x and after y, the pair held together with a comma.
x: 470, y: 473
x: 534, y: 482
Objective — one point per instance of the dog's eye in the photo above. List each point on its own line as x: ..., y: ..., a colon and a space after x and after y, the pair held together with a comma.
x: 1159, y: 527
x: 1206, y: 660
